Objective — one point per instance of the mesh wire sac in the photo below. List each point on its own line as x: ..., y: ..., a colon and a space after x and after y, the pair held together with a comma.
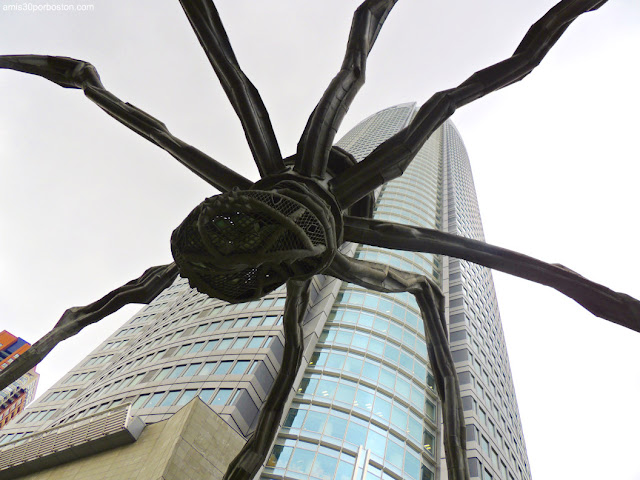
x: 289, y: 207
x: 239, y: 246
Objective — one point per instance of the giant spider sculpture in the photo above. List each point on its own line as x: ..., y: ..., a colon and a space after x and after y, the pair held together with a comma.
x: 289, y: 226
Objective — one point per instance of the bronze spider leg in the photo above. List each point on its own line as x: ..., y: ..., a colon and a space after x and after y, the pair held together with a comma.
x: 244, y: 97
x: 601, y: 301
x: 72, y: 73
x: 321, y: 128
x: 141, y: 290
x: 387, y: 279
x: 391, y: 158
x: 252, y: 456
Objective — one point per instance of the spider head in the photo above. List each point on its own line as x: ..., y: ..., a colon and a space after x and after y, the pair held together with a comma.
x: 240, y: 245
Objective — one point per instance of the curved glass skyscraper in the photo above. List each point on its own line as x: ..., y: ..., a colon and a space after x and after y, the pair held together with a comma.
x: 364, y: 405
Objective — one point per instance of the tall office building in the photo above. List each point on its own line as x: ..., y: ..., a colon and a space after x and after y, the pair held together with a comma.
x: 15, y: 397
x: 364, y: 402
x: 367, y: 398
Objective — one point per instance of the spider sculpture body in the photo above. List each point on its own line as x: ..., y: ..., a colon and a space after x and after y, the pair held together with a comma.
x: 289, y: 226
x: 241, y: 245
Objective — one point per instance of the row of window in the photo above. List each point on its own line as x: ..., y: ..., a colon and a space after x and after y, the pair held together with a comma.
x: 10, y: 437
x: 494, y: 345
x: 421, y: 265
x: 365, y: 399
x: 231, y: 367
x: 396, y: 202
x: 383, y: 325
x: 11, y: 412
x: 423, y: 217
x: 413, y: 195
x: 421, y: 183
x: 9, y: 360
x: 129, y: 331
x: 370, y: 368
x: 228, y: 343
x: 167, y: 295
x: 316, y: 461
x: 80, y: 377
x: 483, y: 394
x: 98, y: 360
x: 408, y: 191
x: 396, y: 306
x: 254, y: 321
x: 409, y: 212
x: 469, y: 403
x: 390, y: 351
x: 263, y: 304
x: 320, y: 420
x: 212, y: 396
x: 39, y: 416
x: 61, y: 395
x: 152, y: 307
x: 114, y: 345
x: 241, y: 322
x: 176, y: 398
x: 476, y: 469
x: 324, y: 464
x: 207, y: 368
x: 393, y: 195
x: 187, y: 349
x: 495, y: 352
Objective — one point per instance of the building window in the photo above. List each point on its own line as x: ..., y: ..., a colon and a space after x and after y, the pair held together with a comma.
x: 155, y: 398
x: 222, y: 396
x: 255, y: 342
x: 484, y: 444
x: 224, y: 367
x: 240, y: 367
x: 208, y: 368
x: 170, y: 398
x: 205, y: 394
x: 191, y: 371
x: 177, y: 371
x: 162, y: 374
x: 186, y: 397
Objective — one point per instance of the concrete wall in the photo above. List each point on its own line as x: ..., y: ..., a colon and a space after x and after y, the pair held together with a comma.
x: 194, y: 444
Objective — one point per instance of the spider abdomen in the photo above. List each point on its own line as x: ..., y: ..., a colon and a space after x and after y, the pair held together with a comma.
x: 240, y: 245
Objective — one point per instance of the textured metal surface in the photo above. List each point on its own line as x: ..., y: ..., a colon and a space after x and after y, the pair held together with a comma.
x: 242, y: 245
x: 244, y: 97
x: 598, y: 299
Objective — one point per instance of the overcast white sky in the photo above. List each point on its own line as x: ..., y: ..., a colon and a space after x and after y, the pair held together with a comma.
x: 86, y: 205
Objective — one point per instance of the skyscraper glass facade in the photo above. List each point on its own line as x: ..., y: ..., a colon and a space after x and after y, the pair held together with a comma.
x: 365, y: 406
x: 366, y: 401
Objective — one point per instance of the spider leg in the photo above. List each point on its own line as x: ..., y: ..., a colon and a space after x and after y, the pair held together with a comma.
x: 242, y: 94
x: 387, y: 279
x: 141, y: 290
x: 253, y: 454
x: 390, y: 159
x: 321, y: 128
x: 72, y: 73
x: 598, y: 299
